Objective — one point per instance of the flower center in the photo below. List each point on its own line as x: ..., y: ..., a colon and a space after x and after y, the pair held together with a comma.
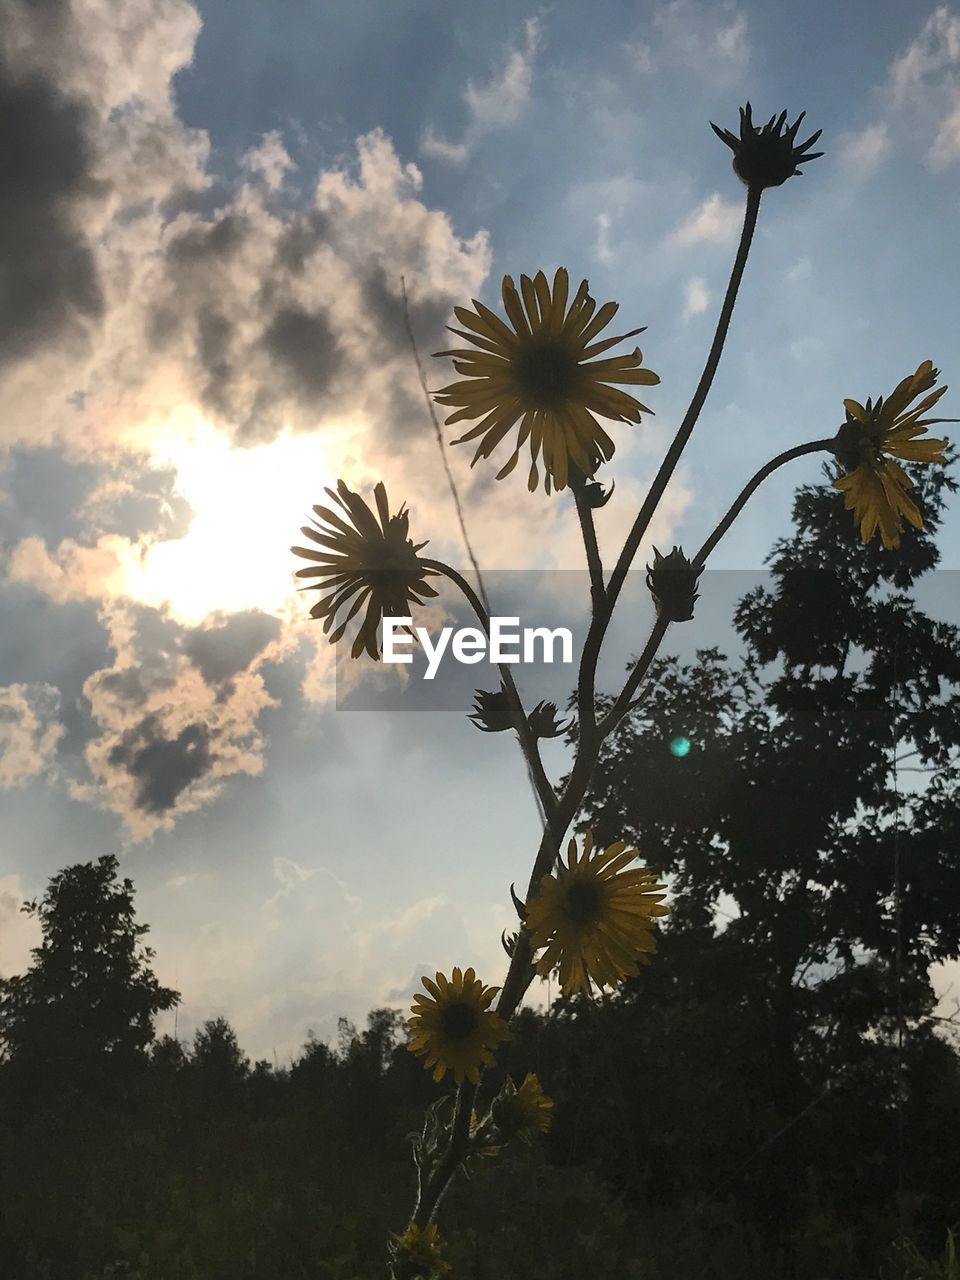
x: 458, y: 1021
x: 583, y: 901
x: 546, y: 374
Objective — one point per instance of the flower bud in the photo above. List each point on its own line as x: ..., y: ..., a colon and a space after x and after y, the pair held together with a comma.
x: 767, y: 157
x: 543, y: 721
x: 491, y: 711
x: 672, y: 581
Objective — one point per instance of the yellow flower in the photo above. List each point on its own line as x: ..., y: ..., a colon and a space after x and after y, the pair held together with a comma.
x: 866, y: 445
x: 374, y: 562
x: 455, y: 1027
x: 520, y: 1113
x: 535, y: 373
x: 593, y: 916
x: 416, y: 1253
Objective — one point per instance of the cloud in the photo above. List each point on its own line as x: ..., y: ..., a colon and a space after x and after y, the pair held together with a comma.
x: 862, y: 153
x: 601, y: 248
x: 136, y: 304
x: 925, y: 82
x: 437, y: 148
x: 175, y: 715
x: 19, y: 933
x: 269, y: 160
x: 696, y: 297
x: 73, y: 572
x: 715, y: 221
x: 933, y: 54
x: 710, y: 39
x: 260, y: 965
x: 495, y: 104
x: 29, y: 731
x: 51, y: 288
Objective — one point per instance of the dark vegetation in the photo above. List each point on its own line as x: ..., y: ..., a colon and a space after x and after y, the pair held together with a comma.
x: 771, y: 1096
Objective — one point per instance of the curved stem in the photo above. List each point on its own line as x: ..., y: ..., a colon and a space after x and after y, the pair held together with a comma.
x: 668, y: 466
x: 798, y: 451
x: 541, y: 784
x: 641, y: 667
x: 624, y: 701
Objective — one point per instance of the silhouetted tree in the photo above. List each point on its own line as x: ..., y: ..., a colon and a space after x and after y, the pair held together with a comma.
x: 217, y: 1063
x: 80, y: 1020
x: 787, y: 818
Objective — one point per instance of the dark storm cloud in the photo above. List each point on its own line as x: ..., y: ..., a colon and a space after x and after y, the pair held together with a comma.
x: 304, y: 235
x: 132, y: 686
x: 201, y: 244
x: 48, y: 277
x: 383, y: 300
x: 214, y: 333
x: 303, y: 343
x: 163, y: 767
x: 224, y: 651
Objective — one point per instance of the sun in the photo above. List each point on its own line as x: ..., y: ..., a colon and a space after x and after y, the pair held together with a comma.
x: 247, y: 507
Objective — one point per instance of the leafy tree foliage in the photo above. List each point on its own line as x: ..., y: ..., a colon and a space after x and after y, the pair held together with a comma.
x: 81, y: 1018
x: 784, y: 832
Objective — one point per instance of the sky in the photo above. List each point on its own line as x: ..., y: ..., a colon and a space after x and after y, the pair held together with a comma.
x: 205, y: 215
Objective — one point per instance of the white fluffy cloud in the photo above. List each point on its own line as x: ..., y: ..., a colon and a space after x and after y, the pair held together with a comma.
x: 925, y: 81
x: 495, y: 104
x: 711, y: 39
x: 29, y: 731
x: 696, y: 297
x: 862, y: 153
x: 715, y: 221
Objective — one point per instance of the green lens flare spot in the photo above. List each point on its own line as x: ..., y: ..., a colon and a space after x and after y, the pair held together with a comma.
x: 680, y: 747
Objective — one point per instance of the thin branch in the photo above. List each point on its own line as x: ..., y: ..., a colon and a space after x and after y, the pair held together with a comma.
x: 640, y: 669
x: 443, y: 448
x: 516, y: 705
x: 591, y: 648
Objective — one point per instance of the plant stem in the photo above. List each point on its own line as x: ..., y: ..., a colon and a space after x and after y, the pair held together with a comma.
x: 594, y: 564
x: 640, y: 669
x: 586, y: 708
x: 591, y: 650
x: 459, y: 1140
x: 798, y: 451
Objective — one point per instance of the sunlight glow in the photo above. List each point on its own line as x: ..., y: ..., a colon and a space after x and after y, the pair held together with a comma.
x: 248, y: 507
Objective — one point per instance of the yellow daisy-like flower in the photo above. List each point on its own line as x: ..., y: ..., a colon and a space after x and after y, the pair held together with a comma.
x: 523, y: 1112
x: 593, y: 916
x: 366, y: 561
x: 455, y: 1026
x: 866, y: 445
x: 536, y: 373
x: 416, y: 1253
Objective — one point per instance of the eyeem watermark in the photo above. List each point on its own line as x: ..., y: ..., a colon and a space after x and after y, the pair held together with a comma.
x: 508, y: 642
